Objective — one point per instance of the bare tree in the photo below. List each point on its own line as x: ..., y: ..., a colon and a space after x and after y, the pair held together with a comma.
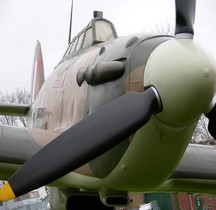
x: 19, y: 96
x: 164, y: 28
x: 201, y: 134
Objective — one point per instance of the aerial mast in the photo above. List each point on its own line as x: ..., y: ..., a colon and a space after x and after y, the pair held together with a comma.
x: 70, y: 26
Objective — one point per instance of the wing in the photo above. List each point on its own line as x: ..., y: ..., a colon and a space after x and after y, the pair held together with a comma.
x: 16, y: 146
x: 196, y: 172
x: 14, y: 109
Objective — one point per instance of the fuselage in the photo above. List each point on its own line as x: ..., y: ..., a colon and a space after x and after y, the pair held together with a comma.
x: 62, y: 103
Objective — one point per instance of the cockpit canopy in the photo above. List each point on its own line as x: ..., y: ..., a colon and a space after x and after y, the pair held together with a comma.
x: 97, y: 31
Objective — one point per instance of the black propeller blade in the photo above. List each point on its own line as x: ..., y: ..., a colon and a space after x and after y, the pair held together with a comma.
x: 185, y: 16
x: 86, y: 140
x: 212, y: 122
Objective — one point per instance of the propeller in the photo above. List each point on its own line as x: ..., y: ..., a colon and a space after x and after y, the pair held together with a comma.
x: 83, y: 142
x: 185, y: 16
x: 212, y: 121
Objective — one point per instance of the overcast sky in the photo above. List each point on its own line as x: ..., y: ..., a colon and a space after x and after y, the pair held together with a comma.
x: 23, y: 22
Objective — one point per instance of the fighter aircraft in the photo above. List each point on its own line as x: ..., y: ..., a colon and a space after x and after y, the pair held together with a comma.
x: 115, y: 115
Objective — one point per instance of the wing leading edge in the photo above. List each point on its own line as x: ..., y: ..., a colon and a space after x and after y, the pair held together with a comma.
x: 14, y: 109
x: 16, y: 146
x: 196, y: 173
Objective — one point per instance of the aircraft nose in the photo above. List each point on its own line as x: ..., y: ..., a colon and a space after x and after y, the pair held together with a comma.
x: 185, y: 77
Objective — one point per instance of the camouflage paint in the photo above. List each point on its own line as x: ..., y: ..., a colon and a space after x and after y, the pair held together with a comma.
x: 160, y: 144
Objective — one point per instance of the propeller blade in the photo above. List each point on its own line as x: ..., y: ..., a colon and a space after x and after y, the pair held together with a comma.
x: 83, y: 142
x: 212, y: 122
x: 185, y: 16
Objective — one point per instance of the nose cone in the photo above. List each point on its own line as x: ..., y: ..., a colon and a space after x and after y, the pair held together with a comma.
x: 185, y: 77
